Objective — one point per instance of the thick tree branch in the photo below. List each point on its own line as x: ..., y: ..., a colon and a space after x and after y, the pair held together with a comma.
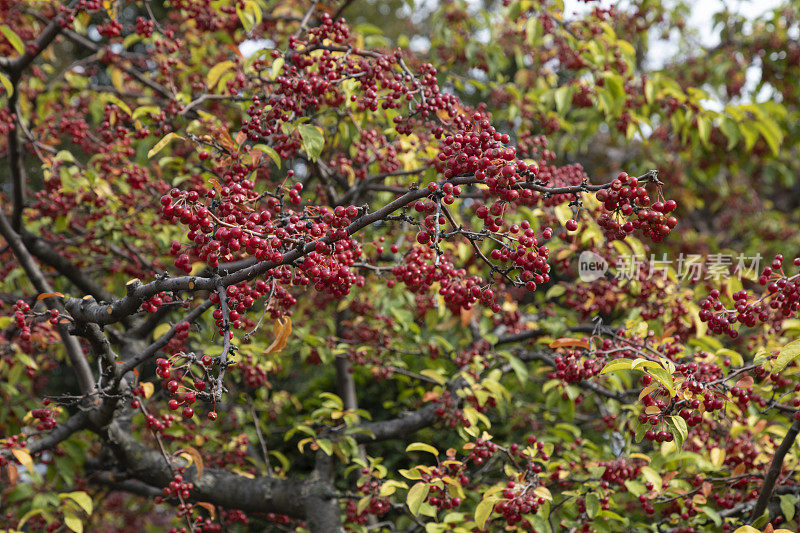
x: 405, y: 424
x: 296, y: 498
x: 775, y: 470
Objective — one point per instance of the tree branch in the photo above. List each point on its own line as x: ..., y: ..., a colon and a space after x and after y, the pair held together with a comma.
x: 774, y: 470
x: 74, y: 351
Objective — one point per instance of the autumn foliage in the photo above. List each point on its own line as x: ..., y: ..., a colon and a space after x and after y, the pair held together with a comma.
x: 277, y: 266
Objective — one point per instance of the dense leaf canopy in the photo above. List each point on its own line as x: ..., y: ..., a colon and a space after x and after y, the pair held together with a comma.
x: 377, y: 266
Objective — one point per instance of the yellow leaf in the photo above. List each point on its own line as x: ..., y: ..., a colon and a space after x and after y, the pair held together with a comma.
x: 215, y: 72
x: 81, y: 498
x: 281, y: 329
x: 543, y: 492
x: 24, y: 457
x: 13, y: 38
x: 117, y: 80
x: 7, y: 85
x: 74, y: 523
x: 483, y: 510
x: 162, y: 143
x: 422, y: 447
x: 747, y: 529
x: 717, y: 456
x: 148, y: 389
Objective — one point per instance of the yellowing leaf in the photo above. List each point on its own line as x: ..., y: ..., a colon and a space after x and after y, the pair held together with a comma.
x: 281, y: 329
x: 7, y: 85
x: 215, y: 72
x: 417, y: 495
x: 746, y: 529
x: 422, y: 447
x: 117, y: 79
x: 717, y: 456
x: 162, y: 143
x: 24, y: 457
x: 617, y: 364
x: 81, y: 498
x: 74, y: 523
x: 483, y: 510
x: 148, y: 389
x: 13, y: 38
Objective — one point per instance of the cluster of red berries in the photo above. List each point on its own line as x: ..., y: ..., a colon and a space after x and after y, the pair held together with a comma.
x: 21, y: 309
x: 46, y: 419
x: 448, y: 411
x: 152, y: 304
x: 626, y: 197
x: 377, y: 506
x: 144, y: 27
x: 518, y: 501
x: 419, y: 272
x: 481, y: 451
x: 177, y: 488
x: 572, y: 368
x: 781, y: 300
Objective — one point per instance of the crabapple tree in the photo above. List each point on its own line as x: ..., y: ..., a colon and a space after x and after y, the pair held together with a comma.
x: 266, y: 266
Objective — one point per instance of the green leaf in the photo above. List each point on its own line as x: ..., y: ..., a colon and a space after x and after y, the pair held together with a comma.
x: 681, y: 430
x: 483, y: 510
x: 615, y: 87
x: 422, y: 447
x: 789, y: 353
x: 13, y: 38
x: 145, y: 110
x: 613, y: 516
x: 731, y: 130
x: 771, y: 133
x: 326, y: 446
x: 617, y: 364
x: 162, y: 143
x: 663, y: 377
x: 313, y: 141
x: 519, y: 368
x: 562, y: 97
x: 704, y: 129
x: 417, y: 495
x: 788, y: 505
x: 555, y: 291
x: 270, y: 152
x: 592, y: 505
x: 712, y: 514
x: 27, y: 516
x: 760, y: 521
